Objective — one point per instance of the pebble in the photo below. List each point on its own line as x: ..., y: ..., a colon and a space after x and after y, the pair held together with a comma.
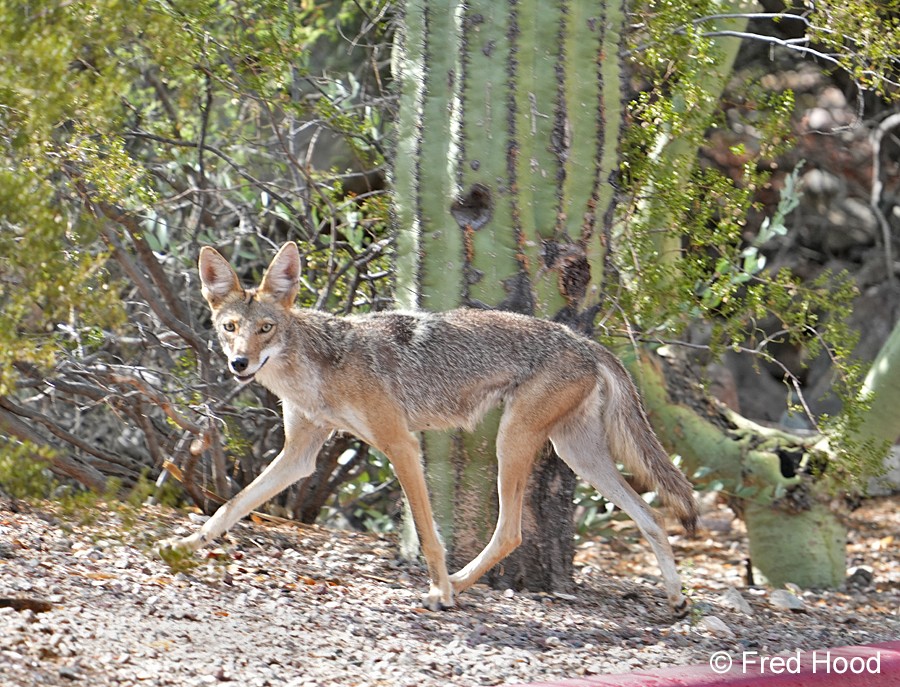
x: 147, y: 626
x: 782, y: 598
x: 859, y: 577
x: 733, y: 599
x: 715, y: 626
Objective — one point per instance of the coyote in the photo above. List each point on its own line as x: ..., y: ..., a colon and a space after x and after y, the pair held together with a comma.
x: 384, y: 376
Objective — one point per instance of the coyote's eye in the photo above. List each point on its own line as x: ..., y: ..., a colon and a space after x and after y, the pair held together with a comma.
x: 228, y: 326
x: 266, y: 327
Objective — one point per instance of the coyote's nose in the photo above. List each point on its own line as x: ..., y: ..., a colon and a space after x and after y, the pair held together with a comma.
x: 239, y: 364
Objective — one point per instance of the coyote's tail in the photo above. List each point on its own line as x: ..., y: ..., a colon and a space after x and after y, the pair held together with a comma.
x: 633, y: 443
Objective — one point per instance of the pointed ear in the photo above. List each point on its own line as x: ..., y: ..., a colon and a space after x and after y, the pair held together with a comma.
x: 217, y: 277
x: 281, y: 282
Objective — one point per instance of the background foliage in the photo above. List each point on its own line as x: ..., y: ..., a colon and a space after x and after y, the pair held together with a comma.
x: 133, y: 133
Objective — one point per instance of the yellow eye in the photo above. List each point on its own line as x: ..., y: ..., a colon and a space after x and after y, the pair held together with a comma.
x: 228, y: 326
x: 266, y: 328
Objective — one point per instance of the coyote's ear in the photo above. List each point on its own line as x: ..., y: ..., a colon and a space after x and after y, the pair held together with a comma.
x: 218, y: 279
x: 281, y: 282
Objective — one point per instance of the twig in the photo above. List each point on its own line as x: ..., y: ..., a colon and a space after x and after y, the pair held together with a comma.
x: 205, y: 109
x: 789, y: 377
x: 89, y: 476
x: 228, y: 160
x: 59, y: 432
x: 148, y: 293
x: 878, y: 187
x: 164, y: 404
x: 372, y: 251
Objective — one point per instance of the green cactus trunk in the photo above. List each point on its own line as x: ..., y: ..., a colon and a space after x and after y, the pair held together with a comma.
x: 507, y: 148
x: 508, y: 133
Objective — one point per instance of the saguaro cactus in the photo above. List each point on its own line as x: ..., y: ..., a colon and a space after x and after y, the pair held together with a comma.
x: 510, y: 120
x: 508, y: 141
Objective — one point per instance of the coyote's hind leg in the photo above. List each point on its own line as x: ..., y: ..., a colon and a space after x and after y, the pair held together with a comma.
x: 588, y: 456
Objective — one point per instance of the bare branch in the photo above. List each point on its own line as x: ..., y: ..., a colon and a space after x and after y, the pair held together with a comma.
x: 164, y: 404
x: 12, y: 425
x: 267, y: 187
x: 148, y: 293
x: 878, y: 134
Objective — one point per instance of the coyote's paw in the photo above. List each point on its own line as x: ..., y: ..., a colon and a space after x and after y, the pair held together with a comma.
x: 177, y: 550
x: 437, y: 600
x: 680, y: 607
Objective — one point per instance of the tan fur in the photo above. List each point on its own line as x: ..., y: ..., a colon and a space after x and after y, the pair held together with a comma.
x: 385, y: 376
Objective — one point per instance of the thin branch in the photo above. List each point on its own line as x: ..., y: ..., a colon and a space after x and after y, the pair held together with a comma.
x: 205, y: 110
x: 146, y: 288
x: 110, y: 459
x: 797, y: 44
x: 759, y: 350
x: 370, y: 253
x: 167, y: 105
x: 11, y: 424
x: 157, y: 273
x: 150, y: 435
x: 268, y: 188
x: 164, y: 403
x: 148, y: 293
x: 878, y: 135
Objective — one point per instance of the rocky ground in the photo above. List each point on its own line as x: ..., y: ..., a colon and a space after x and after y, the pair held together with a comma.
x: 84, y: 601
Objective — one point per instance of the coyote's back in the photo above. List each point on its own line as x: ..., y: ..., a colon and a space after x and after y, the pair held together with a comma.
x: 385, y: 376
x: 447, y: 369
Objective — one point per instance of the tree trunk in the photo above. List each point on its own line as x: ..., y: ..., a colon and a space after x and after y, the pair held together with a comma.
x: 507, y: 145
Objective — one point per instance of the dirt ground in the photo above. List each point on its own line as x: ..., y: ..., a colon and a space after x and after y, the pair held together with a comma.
x: 85, y: 601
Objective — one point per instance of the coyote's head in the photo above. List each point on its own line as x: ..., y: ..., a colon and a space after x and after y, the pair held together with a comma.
x: 248, y: 321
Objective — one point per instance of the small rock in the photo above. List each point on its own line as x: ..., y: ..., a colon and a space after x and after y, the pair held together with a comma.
x: 69, y: 673
x: 861, y: 215
x: 702, y: 608
x: 860, y: 577
x: 821, y: 183
x: 715, y: 626
x: 819, y: 119
x: 732, y: 598
x: 782, y: 598
x: 832, y: 98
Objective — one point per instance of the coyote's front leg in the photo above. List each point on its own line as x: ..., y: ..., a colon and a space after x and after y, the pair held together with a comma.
x: 296, y: 461
x: 405, y: 454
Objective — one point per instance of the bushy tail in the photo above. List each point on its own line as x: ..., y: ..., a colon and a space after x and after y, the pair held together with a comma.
x: 633, y: 443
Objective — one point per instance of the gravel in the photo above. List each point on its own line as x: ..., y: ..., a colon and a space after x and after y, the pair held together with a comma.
x: 303, y: 605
